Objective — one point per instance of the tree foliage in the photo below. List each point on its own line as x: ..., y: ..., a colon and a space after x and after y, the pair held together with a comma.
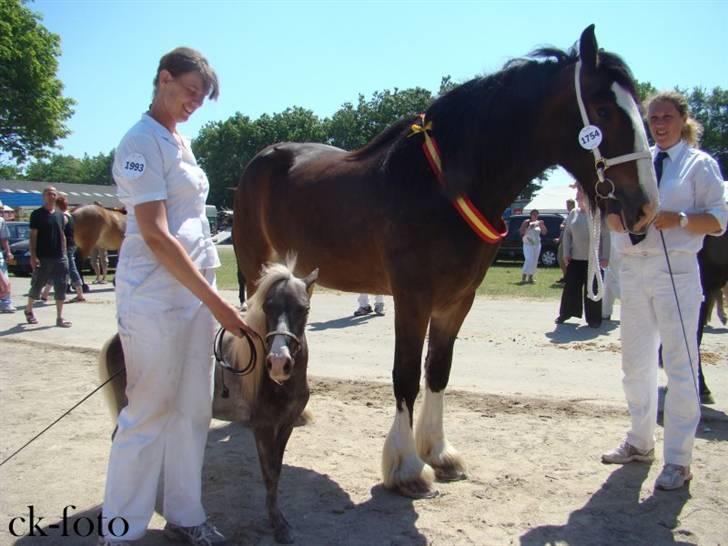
x: 223, y: 148
x: 69, y: 169
x: 352, y: 127
x: 32, y: 107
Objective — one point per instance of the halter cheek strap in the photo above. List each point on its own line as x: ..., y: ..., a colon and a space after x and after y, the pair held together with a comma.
x: 601, y: 163
x: 604, y: 189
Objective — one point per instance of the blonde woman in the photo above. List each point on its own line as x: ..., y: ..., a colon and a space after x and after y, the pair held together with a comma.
x: 692, y: 204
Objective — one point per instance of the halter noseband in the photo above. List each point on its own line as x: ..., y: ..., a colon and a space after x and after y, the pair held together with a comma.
x: 601, y: 163
x: 285, y: 333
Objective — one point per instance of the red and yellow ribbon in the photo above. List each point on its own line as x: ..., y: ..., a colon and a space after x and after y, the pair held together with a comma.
x: 462, y: 203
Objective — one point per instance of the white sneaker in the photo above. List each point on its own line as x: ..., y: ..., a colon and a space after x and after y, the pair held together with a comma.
x: 673, y: 476
x: 627, y: 453
x: 379, y: 309
x: 204, y: 534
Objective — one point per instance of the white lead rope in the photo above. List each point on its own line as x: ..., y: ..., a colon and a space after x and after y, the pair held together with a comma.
x: 594, y: 274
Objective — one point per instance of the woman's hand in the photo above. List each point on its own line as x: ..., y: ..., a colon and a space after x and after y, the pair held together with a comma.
x: 229, y: 318
x: 667, y: 219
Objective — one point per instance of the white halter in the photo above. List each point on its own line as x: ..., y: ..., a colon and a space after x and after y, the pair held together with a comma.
x: 601, y: 164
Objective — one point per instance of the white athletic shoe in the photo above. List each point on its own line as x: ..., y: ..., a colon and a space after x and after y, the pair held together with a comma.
x: 627, y: 453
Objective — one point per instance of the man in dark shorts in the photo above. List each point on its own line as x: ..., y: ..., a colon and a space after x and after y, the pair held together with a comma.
x: 48, y: 255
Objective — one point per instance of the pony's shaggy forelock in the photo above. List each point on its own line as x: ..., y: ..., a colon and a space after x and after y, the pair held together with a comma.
x: 271, y: 273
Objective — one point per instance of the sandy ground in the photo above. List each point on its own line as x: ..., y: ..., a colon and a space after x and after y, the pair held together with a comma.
x: 531, y: 407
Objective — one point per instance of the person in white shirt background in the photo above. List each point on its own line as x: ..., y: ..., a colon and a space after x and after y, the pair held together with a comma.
x: 692, y: 205
x: 167, y: 303
x: 531, y: 231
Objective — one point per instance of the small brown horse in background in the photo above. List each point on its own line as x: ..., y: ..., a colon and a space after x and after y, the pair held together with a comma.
x: 381, y: 219
x: 271, y: 402
x: 96, y: 226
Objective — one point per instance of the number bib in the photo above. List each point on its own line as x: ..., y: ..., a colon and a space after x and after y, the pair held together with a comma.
x: 590, y: 137
x: 133, y: 166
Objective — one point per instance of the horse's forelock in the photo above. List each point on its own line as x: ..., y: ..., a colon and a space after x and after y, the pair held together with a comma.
x: 270, y: 274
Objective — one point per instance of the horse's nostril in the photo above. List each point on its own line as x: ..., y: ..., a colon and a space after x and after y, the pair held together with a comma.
x: 287, y: 368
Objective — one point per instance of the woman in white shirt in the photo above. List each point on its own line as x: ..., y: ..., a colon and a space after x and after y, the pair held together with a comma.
x: 167, y: 304
x: 531, y: 231
x: 692, y: 204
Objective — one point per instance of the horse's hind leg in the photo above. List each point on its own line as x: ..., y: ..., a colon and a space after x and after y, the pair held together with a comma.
x: 432, y: 446
x: 271, y: 447
x: 402, y: 469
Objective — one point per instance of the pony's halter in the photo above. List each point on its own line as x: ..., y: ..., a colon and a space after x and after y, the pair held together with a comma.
x: 601, y: 163
x: 590, y: 137
x: 285, y: 333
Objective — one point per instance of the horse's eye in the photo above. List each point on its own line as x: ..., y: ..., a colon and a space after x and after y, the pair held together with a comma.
x: 603, y: 112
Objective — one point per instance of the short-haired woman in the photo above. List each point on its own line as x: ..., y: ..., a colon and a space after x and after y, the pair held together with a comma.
x: 167, y: 304
x: 531, y: 231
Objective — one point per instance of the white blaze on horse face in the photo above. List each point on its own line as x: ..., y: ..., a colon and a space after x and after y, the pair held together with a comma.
x: 645, y: 170
x: 279, y: 354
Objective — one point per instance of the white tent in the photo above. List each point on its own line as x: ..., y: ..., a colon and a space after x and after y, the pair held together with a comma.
x: 553, y: 194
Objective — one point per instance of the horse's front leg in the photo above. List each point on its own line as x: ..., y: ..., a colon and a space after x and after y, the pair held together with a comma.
x: 271, y: 445
x: 430, y: 433
x: 402, y: 469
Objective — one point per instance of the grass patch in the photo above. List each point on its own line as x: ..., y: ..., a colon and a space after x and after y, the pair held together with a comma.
x: 502, y: 281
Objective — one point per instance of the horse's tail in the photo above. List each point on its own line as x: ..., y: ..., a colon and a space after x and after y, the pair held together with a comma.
x: 113, y: 369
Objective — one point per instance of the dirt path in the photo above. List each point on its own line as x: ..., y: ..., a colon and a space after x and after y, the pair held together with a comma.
x: 534, y: 474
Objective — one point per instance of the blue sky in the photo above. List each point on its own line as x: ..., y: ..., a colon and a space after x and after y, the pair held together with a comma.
x: 318, y: 55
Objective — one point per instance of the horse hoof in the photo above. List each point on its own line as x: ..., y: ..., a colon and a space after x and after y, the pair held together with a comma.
x: 283, y: 535
x: 417, y: 489
x: 449, y: 474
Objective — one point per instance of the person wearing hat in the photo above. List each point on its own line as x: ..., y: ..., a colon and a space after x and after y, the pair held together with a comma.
x: 6, y: 304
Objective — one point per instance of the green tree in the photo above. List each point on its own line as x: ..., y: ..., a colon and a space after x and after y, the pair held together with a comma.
x: 352, y: 127
x: 224, y: 148
x: 711, y: 110
x: 32, y: 107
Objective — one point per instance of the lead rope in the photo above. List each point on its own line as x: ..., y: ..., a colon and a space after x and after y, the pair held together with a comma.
x: 594, y: 220
x: 34, y: 438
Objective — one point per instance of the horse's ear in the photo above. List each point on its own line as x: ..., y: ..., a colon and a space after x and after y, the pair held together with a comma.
x: 310, y: 280
x: 588, y: 49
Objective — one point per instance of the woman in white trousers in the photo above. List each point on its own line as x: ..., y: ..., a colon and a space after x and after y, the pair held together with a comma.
x: 692, y: 204
x: 167, y: 304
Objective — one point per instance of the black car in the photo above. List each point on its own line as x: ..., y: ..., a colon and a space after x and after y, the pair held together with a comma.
x: 21, y: 259
x: 18, y: 231
x: 512, y: 247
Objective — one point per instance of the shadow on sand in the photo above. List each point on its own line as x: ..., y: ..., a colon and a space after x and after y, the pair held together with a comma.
x: 615, y: 515
x: 319, y: 511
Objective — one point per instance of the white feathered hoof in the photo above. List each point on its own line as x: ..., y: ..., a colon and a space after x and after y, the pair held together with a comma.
x: 447, y: 463
x: 410, y: 478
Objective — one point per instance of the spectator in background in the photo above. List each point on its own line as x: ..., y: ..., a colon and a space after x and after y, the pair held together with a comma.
x: 75, y: 278
x: 575, y: 240
x: 6, y: 255
x: 48, y: 257
x: 570, y: 205
x: 531, y: 231
x: 365, y: 308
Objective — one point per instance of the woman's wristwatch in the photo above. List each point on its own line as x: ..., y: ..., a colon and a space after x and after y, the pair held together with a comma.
x: 683, y: 219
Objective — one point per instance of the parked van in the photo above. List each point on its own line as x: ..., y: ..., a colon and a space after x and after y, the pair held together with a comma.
x: 211, y: 213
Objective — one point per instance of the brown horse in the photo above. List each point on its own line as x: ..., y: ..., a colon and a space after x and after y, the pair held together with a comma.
x: 383, y: 219
x: 271, y: 399
x: 96, y: 226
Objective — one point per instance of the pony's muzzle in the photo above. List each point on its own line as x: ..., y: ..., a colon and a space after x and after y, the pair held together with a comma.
x: 279, y: 366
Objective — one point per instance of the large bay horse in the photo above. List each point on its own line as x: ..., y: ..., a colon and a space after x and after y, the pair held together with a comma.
x: 273, y: 396
x: 97, y: 226
x: 383, y: 219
